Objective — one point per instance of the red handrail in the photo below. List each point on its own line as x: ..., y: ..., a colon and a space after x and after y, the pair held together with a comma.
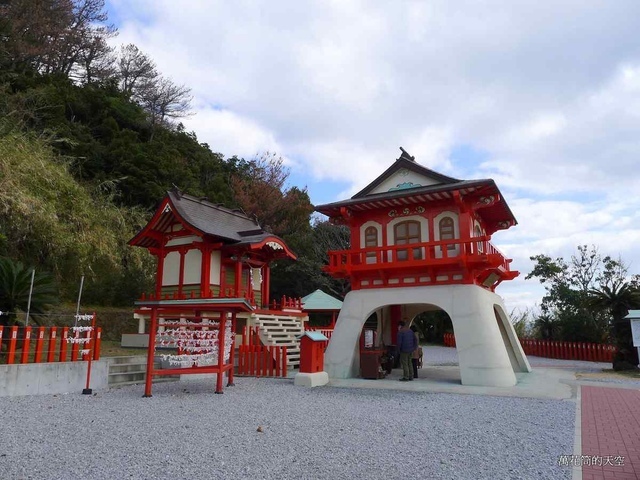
x: 590, y: 352
x: 20, y: 339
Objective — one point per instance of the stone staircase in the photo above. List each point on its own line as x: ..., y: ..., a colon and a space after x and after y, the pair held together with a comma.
x: 282, y: 331
x: 133, y: 370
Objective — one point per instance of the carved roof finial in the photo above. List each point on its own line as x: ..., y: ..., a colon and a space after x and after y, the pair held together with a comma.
x: 406, y: 155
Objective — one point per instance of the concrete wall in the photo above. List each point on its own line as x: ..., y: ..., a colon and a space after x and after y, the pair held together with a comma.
x: 50, y: 378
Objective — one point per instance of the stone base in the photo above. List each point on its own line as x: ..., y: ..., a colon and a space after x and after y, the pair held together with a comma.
x: 317, y: 379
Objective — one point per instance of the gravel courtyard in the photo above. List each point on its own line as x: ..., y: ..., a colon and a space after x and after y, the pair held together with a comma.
x: 185, y: 431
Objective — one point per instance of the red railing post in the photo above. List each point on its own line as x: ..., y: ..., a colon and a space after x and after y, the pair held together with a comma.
x: 52, y: 344
x: 277, y: 359
x: 270, y: 370
x: 88, y: 345
x: 239, y: 372
x: 63, y: 344
x: 13, y: 340
x: 254, y: 360
x: 284, y: 361
x: 75, y: 346
x: 265, y: 368
x: 39, y: 344
x: 26, y: 343
x: 97, y: 344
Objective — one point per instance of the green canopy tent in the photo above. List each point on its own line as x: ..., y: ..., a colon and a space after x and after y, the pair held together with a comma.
x: 322, y: 303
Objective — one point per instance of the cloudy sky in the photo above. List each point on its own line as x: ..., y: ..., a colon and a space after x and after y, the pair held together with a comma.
x: 541, y: 96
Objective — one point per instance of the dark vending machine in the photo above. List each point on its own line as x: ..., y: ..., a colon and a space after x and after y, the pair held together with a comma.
x: 371, y: 356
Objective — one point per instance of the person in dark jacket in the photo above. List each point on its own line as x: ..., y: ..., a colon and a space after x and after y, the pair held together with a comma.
x: 407, y: 343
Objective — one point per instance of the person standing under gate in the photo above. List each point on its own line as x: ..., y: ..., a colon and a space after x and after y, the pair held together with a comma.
x: 407, y: 343
x: 417, y: 353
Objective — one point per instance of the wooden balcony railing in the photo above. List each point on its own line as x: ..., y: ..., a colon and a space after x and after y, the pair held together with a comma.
x: 286, y: 303
x: 477, y: 252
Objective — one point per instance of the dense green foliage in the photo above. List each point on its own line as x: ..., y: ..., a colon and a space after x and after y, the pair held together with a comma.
x: 52, y: 222
x: 16, y: 291
x: 587, y: 298
x: 89, y: 144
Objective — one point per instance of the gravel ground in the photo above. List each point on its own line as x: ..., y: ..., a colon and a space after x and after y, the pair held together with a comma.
x: 185, y: 431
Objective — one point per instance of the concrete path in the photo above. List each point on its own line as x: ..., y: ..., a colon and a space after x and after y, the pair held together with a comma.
x: 610, y: 430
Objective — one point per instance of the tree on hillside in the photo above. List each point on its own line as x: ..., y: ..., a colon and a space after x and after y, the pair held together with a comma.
x: 165, y: 101
x: 260, y: 190
x: 53, y: 36
x: 306, y: 275
x: 330, y: 237
x: 15, y: 285
x: 30, y: 29
x: 135, y: 70
x: 96, y: 62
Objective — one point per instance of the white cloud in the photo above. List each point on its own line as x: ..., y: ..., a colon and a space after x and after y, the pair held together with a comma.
x: 548, y: 91
x: 226, y: 131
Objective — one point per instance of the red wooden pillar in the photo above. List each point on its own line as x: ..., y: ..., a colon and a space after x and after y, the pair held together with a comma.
x: 205, y: 272
x: 223, y: 279
x: 396, y: 315
x: 238, y: 279
x: 52, y: 344
x: 161, y: 254
x: 151, y: 348
x: 26, y: 343
x: 183, y: 252
x: 233, y: 349
x: 284, y: 362
x: 39, y: 345
x: 221, y: 341
x: 266, y: 279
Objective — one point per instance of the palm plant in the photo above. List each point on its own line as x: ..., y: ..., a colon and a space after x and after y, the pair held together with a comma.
x: 15, y: 283
x: 617, y: 299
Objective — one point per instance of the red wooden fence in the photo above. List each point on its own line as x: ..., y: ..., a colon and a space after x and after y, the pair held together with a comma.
x: 590, y: 352
x: 262, y: 361
x: 250, y: 336
x: 50, y: 345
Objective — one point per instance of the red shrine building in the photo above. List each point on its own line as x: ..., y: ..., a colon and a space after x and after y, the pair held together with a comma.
x: 421, y: 241
x: 212, y: 280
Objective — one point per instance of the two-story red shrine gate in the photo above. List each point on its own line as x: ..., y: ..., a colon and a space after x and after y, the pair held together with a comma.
x: 212, y: 279
x: 420, y: 240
